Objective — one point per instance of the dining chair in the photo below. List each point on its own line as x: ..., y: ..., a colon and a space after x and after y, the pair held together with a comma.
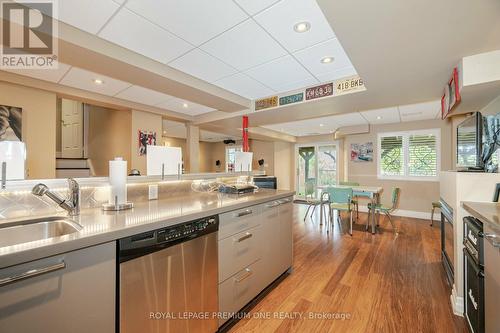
x: 311, y: 201
x: 355, y: 200
x: 387, y: 210
x: 340, y: 199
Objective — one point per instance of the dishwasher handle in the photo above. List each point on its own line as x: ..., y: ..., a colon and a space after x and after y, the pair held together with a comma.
x: 32, y: 273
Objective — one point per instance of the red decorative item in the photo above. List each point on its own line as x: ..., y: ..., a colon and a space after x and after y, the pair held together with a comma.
x: 451, y: 97
x: 246, y: 147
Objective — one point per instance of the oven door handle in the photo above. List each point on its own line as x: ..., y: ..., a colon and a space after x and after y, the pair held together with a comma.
x: 493, y: 239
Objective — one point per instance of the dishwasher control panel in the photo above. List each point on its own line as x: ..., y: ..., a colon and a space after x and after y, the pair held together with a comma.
x: 185, y: 230
x: 155, y: 240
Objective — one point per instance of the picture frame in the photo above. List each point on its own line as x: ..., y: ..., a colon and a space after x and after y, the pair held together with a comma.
x: 451, y: 96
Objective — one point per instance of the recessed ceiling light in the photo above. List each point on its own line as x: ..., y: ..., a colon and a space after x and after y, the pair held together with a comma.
x: 185, y: 105
x: 321, y: 125
x: 379, y: 117
x: 98, y: 81
x: 327, y: 60
x: 302, y: 27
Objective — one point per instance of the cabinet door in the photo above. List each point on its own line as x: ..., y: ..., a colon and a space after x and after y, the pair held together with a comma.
x: 76, y: 293
x: 286, y: 234
x: 271, y: 247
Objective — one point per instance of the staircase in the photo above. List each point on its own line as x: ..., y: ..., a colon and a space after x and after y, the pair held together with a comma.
x: 73, y: 168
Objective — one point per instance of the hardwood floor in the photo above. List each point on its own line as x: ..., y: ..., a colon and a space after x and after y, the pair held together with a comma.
x: 382, y: 282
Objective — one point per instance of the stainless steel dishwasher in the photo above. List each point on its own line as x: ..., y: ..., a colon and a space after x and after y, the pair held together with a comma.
x: 168, y: 279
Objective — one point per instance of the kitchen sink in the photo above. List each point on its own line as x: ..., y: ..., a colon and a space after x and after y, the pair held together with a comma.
x: 23, y: 231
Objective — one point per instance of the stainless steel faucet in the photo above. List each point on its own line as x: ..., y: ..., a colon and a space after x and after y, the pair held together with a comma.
x: 71, y: 204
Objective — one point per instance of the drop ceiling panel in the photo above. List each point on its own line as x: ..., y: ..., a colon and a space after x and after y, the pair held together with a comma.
x: 279, y: 21
x: 89, y: 15
x: 82, y: 79
x: 193, y: 20
x: 131, y: 31
x: 311, y: 57
x: 337, y: 74
x: 318, y: 126
x: 143, y: 95
x: 382, y: 116
x: 288, y: 86
x: 279, y: 72
x: 202, y: 65
x: 420, y: 111
x: 52, y: 75
x: 244, y: 46
x: 185, y: 107
x: 245, y: 86
x: 252, y: 7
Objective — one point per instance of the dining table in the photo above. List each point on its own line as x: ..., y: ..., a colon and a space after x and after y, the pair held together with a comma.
x: 370, y: 192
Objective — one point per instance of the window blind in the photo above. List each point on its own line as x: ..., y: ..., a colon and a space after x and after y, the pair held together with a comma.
x: 422, y: 153
x: 391, y: 156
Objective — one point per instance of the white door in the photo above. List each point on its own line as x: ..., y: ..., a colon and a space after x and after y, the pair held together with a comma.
x: 71, y: 129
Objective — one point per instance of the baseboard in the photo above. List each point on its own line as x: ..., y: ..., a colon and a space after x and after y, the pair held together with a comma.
x: 405, y: 213
x: 457, y: 303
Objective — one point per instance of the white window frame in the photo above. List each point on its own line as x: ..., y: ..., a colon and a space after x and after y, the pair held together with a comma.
x: 406, y: 157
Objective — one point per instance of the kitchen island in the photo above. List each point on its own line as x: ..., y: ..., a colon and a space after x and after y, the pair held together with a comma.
x: 82, y: 270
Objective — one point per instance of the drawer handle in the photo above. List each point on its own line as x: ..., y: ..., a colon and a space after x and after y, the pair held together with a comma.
x: 275, y: 204
x: 247, y: 274
x: 247, y: 236
x: 32, y: 273
x: 246, y: 212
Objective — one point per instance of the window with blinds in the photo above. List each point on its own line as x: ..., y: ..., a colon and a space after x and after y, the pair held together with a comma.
x: 409, y: 155
x: 391, y: 156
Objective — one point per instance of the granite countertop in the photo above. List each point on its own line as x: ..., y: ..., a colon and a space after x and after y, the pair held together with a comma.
x: 487, y: 212
x: 101, y: 227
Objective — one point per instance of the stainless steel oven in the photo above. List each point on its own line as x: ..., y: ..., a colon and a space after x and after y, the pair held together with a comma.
x: 447, y: 241
x: 168, y: 279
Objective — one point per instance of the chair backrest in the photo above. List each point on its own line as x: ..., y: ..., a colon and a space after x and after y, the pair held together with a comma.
x: 309, y: 187
x: 395, y: 198
x: 339, y: 194
x: 348, y: 183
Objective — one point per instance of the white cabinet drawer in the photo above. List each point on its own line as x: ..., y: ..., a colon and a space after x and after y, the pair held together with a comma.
x: 239, y: 289
x: 238, y: 251
x: 231, y: 223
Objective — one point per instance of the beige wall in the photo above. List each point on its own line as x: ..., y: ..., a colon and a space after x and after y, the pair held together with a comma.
x: 263, y: 150
x: 284, y: 155
x: 143, y: 121
x: 415, y: 195
x: 108, y: 137
x: 38, y: 128
x: 207, y: 156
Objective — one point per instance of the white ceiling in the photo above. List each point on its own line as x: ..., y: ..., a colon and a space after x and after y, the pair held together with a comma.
x: 83, y: 79
x: 235, y: 44
x: 328, y: 125
x: 177, y: 129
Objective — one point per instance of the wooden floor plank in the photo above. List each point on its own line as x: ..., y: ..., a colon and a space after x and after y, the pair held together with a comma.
x: 385, y: 282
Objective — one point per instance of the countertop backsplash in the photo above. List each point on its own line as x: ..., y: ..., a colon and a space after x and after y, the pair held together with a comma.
x: 19, y: 202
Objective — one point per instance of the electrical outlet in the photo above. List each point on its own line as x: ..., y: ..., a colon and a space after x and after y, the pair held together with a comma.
x: 153, y: 192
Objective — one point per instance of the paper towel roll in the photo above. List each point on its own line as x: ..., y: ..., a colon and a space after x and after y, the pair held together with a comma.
x: 118, y: 181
